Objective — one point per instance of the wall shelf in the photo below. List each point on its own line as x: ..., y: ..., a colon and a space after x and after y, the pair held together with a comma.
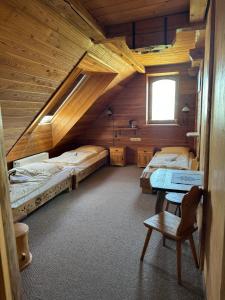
x: 119, y: 129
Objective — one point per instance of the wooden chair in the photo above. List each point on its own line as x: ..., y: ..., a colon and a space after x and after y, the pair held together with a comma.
x: 176, y: 228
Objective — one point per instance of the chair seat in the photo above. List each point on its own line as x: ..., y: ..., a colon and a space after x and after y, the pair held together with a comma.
x: 175, y: 198
x: 165, y: 223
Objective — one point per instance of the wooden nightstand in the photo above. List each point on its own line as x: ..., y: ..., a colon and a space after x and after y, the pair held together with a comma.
x: 117, y: 156
x: 144, y: 155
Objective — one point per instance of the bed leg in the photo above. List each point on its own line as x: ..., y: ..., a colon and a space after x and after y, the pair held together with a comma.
x: 74, y: 183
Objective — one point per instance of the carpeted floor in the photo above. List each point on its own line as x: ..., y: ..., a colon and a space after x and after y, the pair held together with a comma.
x: 86, y: 245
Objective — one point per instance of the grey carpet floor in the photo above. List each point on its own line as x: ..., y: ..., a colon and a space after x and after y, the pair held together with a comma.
x: 86, y: 245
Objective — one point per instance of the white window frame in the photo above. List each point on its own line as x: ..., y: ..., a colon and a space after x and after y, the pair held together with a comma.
x: 150, y: 81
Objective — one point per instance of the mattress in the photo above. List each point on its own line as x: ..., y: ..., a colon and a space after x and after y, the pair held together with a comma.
x: 91, y: 161
x: 71, y: 158
x: 36, y: 189
x: 75, y: 169
x: 170, y: 160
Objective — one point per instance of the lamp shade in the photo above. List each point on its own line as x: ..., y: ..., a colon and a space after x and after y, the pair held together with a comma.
x: 185, y: 109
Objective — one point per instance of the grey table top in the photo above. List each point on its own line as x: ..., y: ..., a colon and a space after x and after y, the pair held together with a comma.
x: 176, y: 180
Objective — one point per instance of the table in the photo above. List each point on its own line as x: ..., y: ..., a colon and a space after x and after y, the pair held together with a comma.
x: 171, y: 180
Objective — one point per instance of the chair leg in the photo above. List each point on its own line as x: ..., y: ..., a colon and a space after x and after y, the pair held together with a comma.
x: 167, y: 205
x: 176, y: 210
x: 146, y: 243
x: 179, y: 262
x: 179, y: 211
x: 193, y: 250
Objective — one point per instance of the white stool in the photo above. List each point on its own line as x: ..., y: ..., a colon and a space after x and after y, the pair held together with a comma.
x: 175, y: 199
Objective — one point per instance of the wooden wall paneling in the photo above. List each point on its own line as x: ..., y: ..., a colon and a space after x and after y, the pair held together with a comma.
x: 106, y: 12
x: 215, y: 234
x: 38, y: 49
x: 89, y: 117
x: 78, y: 104
x: 149, y: 31
x: 38, y: 13
x: 77, y: 15
x: 129, y: 104
x: 39, y: 140
x: 9, y: 262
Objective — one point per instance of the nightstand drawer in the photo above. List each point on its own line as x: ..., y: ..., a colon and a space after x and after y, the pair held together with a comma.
x: 118, y: 156
x: 144, y: 155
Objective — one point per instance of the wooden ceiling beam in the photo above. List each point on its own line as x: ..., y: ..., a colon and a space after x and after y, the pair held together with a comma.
x: 198, y: 10
x: 196, y: 56
x: 119, y: 46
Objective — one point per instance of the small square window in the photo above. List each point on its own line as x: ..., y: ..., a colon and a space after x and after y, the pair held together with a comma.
x: 162, y: 96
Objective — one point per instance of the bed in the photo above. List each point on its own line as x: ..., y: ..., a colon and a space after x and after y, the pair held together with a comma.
x: 179, y: 158
x: 39, y: 178
x: 83, y: 161
x: 32, y: 183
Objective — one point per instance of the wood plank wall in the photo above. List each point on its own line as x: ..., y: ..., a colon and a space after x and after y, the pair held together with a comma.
x: 38, y: 49
x: 149, y: 31
x: 130, y: 104
x: 39, y: 46
x: 215, y: 236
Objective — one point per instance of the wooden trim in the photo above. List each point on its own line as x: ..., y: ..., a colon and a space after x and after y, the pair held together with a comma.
x: 9, y: 267
x: 119, y: 46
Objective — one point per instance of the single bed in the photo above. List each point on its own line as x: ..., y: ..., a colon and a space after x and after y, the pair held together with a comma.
x: 83, y: 161
x: 179, y: 158
x: 33, y: 183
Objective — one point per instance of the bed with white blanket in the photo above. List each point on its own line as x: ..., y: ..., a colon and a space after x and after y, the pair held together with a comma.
x: 33, y: 182
x: 83, y: 161
x: 179, y: 158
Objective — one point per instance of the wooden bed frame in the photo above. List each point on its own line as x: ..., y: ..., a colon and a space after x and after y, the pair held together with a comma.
x: 29, y: 206
x: 70, y: 183
x: 146, y: 174
x: 83, y: 173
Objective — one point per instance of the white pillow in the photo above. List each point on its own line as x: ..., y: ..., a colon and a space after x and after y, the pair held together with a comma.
x: 40, y: 168
x: 175, y: 150
x: 90, y: 148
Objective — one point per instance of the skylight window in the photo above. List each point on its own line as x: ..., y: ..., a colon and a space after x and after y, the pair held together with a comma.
x: 77, y: 83
x: 73, y: 88
x: 162, y: 100
x: 46, y: 119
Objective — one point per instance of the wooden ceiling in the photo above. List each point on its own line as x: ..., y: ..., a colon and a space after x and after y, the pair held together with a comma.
x: 108, y: 12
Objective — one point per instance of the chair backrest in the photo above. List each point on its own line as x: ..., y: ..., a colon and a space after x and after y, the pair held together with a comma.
x: 188, y: 210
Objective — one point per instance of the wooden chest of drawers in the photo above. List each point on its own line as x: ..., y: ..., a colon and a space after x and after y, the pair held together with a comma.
x: 144, y: 155
x: 117, y: 156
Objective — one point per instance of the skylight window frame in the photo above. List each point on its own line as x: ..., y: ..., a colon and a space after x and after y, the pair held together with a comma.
x: 74, y: 90
x: 150, y: 81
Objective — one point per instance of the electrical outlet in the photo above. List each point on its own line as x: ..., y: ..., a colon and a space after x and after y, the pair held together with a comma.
x: 135, y: 139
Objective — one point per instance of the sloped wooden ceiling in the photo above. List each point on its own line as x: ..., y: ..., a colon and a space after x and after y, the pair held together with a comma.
x: 41, y: 41
x: 39, y: 47
x: 108, y: 12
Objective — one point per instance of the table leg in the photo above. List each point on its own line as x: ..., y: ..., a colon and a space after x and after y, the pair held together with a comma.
x: 159, y: 201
